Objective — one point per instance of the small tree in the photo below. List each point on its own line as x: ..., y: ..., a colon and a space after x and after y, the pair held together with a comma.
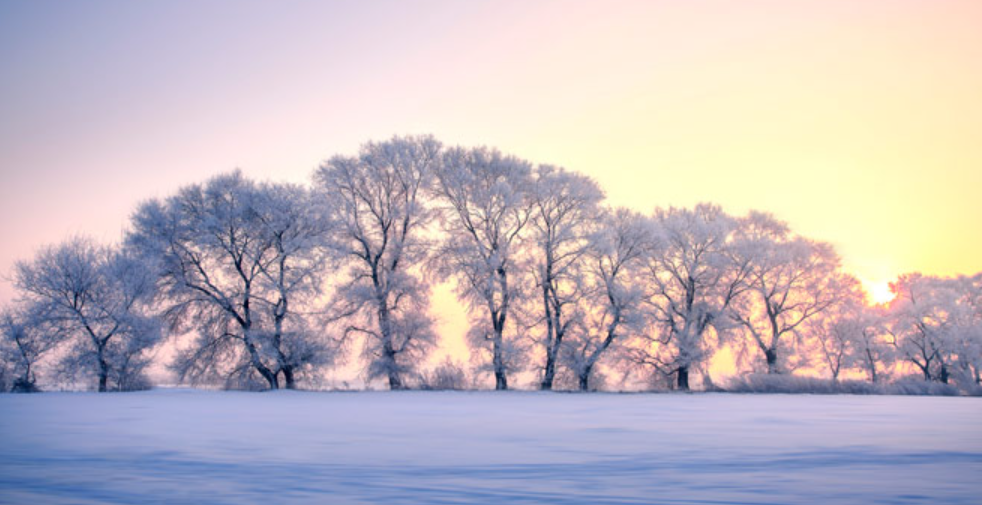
x: 841, y: 334
x: 23, y: 342
x: 98, y: 299
x: 872, y: 352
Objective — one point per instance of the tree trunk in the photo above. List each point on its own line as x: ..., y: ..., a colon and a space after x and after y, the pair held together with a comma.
x: 279, y: 314
x: 395, y: 382
x: 257, y: 363
x: 385, y: 325
x: 550, y: 370
x: 872, y: 366
x: 550, y: 373
x: 103, y: 370
x: 771, y: 355
x: 500, y: 379
x: 943, y: 376
x: 498, y: 324
x: 246, y: 323
x: 103, y: 380
x: 585, y: 378
x: 683, y: 378
x: 551, y: 356
x: 288, y: 377
x: 266, y: 373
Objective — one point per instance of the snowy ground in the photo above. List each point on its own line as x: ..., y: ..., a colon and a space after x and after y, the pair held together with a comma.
x: 181, y: 446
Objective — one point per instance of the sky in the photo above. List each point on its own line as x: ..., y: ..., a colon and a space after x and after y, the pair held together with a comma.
x: 858, y: 122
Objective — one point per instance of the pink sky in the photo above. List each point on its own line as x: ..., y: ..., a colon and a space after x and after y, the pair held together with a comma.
x: 858, y: 122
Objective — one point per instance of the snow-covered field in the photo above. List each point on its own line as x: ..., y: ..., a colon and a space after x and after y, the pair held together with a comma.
x: 183, y: 446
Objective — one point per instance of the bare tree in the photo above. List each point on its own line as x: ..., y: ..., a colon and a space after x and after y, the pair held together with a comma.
x: 229, y: 255
x: 790, y: 280
x: 565, y: 208
x: 98, y: 299
x: 611, y: 308
x: 487, y: 209
x: 693, y: 281
x: 377, y: 199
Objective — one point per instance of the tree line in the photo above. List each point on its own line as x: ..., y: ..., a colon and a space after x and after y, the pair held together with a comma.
x: 265, y: 285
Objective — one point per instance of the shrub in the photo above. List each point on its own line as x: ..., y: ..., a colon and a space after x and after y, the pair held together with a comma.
x: 447, y: 375
x: 792, y: 384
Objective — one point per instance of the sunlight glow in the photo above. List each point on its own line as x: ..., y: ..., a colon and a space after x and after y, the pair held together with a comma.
x: 879, y: 293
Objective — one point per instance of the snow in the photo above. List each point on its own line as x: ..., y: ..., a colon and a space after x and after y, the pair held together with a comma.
x: 187, y: 446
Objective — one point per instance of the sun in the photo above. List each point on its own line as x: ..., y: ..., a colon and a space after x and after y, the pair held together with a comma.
x: 879, y: 293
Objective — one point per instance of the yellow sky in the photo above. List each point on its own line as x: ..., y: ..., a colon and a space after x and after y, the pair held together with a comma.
x: 859, y: 125
x: 859, y: 122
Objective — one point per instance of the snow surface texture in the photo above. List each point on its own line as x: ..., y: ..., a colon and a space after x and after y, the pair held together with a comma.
x: 184, y: 446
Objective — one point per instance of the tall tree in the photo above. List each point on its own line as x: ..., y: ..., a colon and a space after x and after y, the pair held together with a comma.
x: 487, y: 207
x: 299, y: 232
x: 98, y: 299
x: 378, y: 200
x: 219, y: 251
x: 790, y: 280
x: 693, y: 281
x: 565, y: 207
x: 611, y: 308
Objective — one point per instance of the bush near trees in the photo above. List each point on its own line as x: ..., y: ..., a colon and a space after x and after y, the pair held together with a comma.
x: 269, y: 285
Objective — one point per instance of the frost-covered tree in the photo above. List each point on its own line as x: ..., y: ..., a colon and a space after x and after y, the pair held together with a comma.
x: 935, y: 324
x: 299, y: 232
x: 610, y: 308
x: 693, y: 280
x: 486, y: 208
x: 842, y: 336
x: 851, y: 334
x: 790, y: 280
x: 99, y: 300
x: 233, y: 260
x: 378, y: 201
x: 565, y: 207
x: 969, y: 340
x: 24, y: 340
x: 872, y: 351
